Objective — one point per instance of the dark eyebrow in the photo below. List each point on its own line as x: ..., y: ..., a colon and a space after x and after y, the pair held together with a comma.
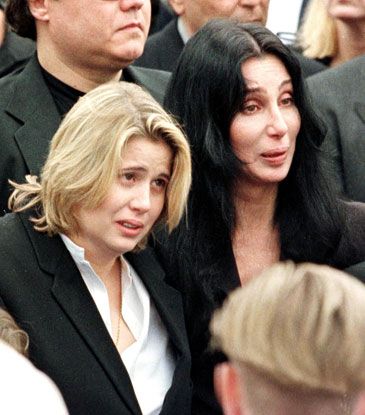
x: 259, y: 89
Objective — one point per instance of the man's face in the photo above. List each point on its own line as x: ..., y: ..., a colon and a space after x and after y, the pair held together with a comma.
x: 198, y: 12
x: 98, y: 33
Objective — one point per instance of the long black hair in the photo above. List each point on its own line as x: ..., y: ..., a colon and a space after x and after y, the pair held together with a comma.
x: 206, y: 91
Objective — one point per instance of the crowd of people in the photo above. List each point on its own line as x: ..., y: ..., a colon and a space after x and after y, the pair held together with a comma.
x: 151, y: 174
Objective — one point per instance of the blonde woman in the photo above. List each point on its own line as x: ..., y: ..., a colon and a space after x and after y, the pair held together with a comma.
x: 333, y: 31
x: 102, y: 322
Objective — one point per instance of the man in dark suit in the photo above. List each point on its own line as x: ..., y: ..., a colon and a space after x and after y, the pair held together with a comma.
x: 80, y: 45
x: 163, y: 49
x: 338, y: 95
x: 14, y: 50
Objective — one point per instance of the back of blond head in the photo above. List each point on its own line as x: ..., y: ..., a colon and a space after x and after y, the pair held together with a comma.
x: 302, y: 326
x: 86, y: 151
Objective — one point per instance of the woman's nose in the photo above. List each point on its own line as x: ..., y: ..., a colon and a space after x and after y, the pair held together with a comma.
x: 277, y: 125
x: 141, y: 200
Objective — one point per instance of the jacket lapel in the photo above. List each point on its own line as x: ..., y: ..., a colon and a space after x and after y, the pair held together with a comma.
x: 70, y: 291
x: 166, y: 299
x: 38, y: 117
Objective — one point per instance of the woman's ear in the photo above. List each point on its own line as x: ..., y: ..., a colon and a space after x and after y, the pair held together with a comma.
x: 228, y: 388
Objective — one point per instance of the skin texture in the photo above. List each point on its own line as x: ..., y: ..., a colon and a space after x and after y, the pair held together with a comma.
x: 85, y: 43
x: 347, y: 10
x: 268, y: 122
x: 196, y: 13
x: 137, y: 196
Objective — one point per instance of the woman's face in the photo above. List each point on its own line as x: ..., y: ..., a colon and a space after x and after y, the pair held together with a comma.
x: 133, y: 203
x: 263, y: 133
x: 346, y: 9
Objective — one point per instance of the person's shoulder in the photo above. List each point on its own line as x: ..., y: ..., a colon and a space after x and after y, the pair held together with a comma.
x: 155, y: 40
x: 349, y: 71
x: 308, y: 66
x: 154, y: 80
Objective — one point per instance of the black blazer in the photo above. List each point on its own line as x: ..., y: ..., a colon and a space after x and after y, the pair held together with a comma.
x: 14, y: 53
x: 162, y: 49
x: 29, y: 118
x: 42, y: 288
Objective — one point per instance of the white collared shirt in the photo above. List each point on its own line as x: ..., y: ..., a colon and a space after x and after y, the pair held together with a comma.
x: 149, y: 360
x: 182, y: 31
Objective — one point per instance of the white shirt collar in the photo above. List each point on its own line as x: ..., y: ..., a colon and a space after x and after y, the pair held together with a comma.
x: 183, y: 32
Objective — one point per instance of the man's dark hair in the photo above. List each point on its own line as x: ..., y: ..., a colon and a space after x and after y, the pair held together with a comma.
x: 20, y: 19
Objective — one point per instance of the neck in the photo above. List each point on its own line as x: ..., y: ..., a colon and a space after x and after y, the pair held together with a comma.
x: 82, y: 78
x: 255, y: 205
x: 107, y: 270
x: 350, y: 38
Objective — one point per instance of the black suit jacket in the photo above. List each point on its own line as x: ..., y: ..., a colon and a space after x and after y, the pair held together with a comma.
x: 42, y: 288
x: 14, y: 53
x: 29, y: 118
x: 163, y: 49
x: 338, y: 95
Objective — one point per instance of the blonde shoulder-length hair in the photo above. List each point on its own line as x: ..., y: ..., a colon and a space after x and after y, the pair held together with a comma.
x: 317, y: 36
x: 85, y: 155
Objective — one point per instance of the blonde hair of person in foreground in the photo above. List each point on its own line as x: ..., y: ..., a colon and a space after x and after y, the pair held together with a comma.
x: 295, y: 340
x: 12, y: 334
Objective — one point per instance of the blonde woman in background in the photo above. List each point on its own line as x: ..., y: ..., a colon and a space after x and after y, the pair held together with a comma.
x: 102, y: 322
x: 333, y: 31
x: 294, y: 337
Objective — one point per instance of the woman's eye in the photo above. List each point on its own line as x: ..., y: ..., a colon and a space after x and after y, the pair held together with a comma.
x: 250, y: 108
x: 128, y: 177
x: 160, y: 184
x: 287, y: 100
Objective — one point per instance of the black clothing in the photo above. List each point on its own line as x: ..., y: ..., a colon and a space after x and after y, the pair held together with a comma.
x: 63, y: 95
x: 41, y: 287
x: 15, y: 51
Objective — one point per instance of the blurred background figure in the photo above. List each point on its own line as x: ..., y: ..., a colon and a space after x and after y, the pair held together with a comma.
x: 163, y: 49
x: 14, y: 50
x: 24, y: 389
x: 338, y: 94
x: 294, y: 337
x: 333, y: 31
x: 161, y: 14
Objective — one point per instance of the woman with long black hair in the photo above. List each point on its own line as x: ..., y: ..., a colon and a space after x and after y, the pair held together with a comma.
x: 259, y: 191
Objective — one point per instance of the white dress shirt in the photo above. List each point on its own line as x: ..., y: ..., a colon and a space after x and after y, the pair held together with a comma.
x: 149, y: 360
